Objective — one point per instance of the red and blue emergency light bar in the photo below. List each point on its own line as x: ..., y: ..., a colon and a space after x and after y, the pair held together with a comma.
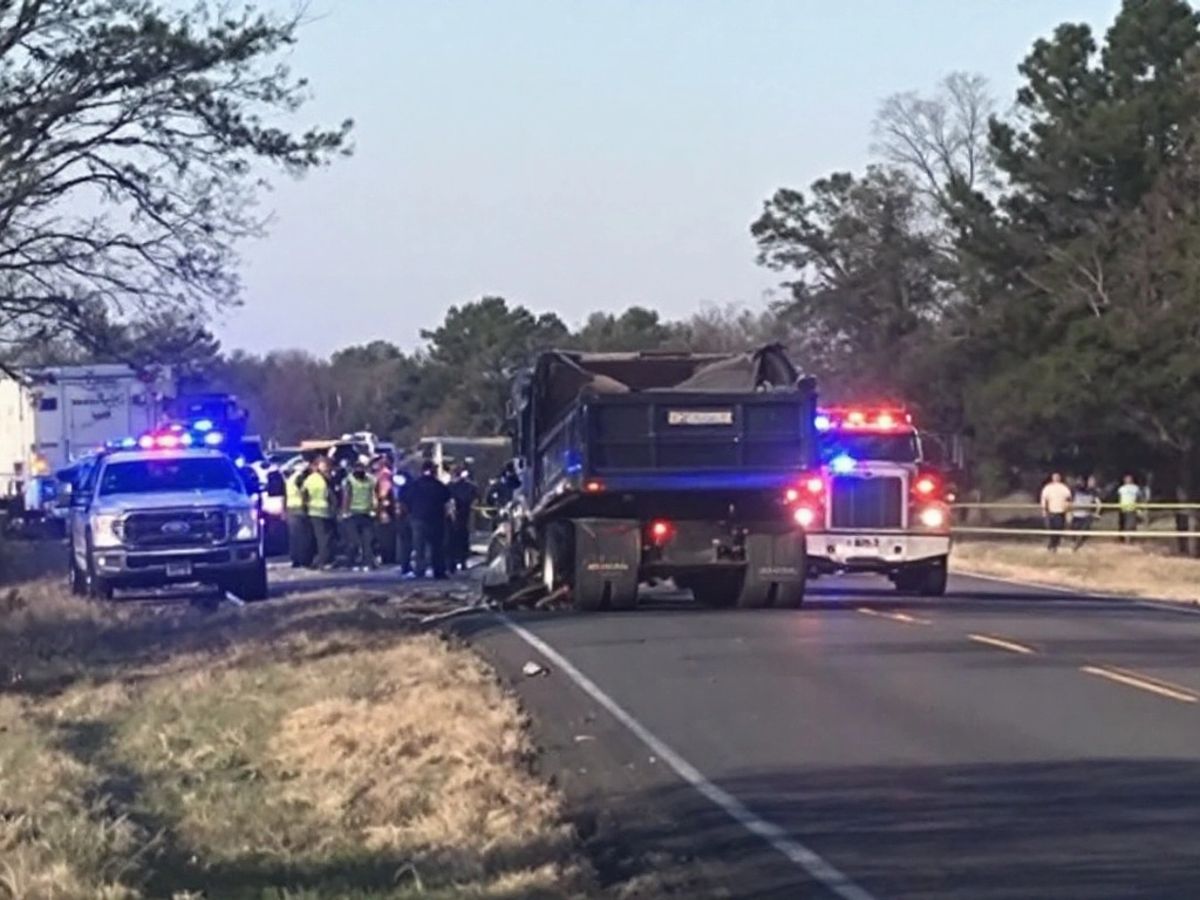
x: 860, y: 419
x: 173, y: 437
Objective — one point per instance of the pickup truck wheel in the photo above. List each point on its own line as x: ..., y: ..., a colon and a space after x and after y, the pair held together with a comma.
x: 96, y: 587
x: 77, y: 579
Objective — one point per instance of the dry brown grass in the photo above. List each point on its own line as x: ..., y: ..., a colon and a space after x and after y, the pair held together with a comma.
x: 307, y: 749
x: 1102, y: 567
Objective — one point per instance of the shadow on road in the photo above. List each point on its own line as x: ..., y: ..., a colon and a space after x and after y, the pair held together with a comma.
x: 1094, y: 829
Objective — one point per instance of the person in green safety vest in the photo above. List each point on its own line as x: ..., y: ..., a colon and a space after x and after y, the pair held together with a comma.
x: 358, y: 508
x: 300, y: 533
x: 317, y: 490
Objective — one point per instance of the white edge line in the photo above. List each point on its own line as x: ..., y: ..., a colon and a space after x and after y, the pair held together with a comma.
x: 1084, y: 594
x: 808, y: 860
x: 234, y: 599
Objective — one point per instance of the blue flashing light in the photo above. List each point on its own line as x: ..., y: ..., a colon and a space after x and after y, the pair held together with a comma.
x: 822, y: 423
x: 203, y: 425
x: 842, y: 463
x: 186, y: 439
x: 128, y: 443
x: 214, y: 439
x: 574, y: 464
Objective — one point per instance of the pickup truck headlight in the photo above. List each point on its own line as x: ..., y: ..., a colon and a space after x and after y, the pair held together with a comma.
x: 106, y: 530
x: 244, y: 524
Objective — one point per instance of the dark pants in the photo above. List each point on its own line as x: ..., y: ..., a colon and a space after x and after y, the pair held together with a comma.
x: 459, y: 544
x: 360, y: 545
x: 385, y: 540
x: 1081, y: 525
x: 404, y: 544
x: 300, y: 541
x: 1056, y: 522
x: 429, y: 546
x: 324, y: 531
x: 1127, y: 520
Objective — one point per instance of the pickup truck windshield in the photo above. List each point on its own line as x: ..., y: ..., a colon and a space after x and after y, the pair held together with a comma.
x: 150, y: 475
x: 899, y: 447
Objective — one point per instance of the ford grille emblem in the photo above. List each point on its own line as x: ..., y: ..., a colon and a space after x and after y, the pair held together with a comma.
x: 176, y: 528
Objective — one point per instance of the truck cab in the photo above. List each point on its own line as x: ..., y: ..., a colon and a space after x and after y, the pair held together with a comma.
x: 883, y: 508
x: 160, y: 516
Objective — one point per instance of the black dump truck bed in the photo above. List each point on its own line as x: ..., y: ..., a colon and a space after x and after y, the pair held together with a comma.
x: 648, y: 466
x: 664, y: 422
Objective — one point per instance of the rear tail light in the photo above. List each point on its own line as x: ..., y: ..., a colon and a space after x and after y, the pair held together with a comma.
x: 593, y: 487
x: 925, y: 486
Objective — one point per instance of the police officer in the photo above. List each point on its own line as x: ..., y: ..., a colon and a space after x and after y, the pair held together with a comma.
x: 428, y: 500
x: 317, y: 490
x: 300, y: 534
x: 358, y: 507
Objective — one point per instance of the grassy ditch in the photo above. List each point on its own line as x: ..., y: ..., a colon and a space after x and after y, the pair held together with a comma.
x: 1104, y: 567
x: 297, y: 749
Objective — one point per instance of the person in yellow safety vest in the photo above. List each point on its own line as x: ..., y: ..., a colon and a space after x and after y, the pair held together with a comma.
x: 358, y: 506
x: 300, y: 533
x: 317, y: 490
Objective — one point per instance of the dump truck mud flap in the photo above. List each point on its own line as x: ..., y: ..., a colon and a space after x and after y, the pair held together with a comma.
x: 608, y: 556
x: 775, y: 570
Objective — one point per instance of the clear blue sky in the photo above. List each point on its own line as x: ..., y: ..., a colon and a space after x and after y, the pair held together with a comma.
x: 575, y: 155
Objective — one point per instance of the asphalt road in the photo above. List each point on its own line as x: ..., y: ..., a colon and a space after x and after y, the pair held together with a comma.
x: 1000, y: 742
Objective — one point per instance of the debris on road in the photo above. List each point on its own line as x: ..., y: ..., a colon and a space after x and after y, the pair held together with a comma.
x: 533, y: 669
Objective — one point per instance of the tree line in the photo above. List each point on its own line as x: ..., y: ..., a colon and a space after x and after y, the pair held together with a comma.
x: 1019, y: 270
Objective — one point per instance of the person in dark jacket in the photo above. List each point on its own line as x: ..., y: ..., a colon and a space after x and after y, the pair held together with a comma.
x: 428, y: 503
x: 463, y: 494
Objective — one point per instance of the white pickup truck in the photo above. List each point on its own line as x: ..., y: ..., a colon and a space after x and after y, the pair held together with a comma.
x: 882, y: 508
x: 149, y: 518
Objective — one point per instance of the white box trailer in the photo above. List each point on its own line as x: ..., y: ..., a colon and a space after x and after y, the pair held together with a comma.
x: 49, y: 417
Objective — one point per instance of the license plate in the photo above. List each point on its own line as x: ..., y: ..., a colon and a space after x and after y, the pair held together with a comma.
x: 700, y: 417
x: 179, y: 570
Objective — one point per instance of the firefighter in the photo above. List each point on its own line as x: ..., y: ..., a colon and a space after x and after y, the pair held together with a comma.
x: 317, y: 490
x: 358, y: 507
x: 300, y: 533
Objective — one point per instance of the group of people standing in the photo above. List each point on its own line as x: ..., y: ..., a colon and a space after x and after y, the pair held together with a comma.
x: 369, y: 515
x: 1081, y: 505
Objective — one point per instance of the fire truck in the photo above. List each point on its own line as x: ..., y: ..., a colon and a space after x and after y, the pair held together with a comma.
x: 879, y: 506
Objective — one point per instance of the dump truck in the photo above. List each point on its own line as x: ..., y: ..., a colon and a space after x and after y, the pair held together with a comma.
x: 637, y: 467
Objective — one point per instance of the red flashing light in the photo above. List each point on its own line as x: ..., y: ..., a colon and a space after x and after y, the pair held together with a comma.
x: 792, y: 495
x: 661, y: 531
x: 804, y: 516
x: 814, y: 485
x: 167, y: 441
x: 925, y: 486
x: 880, y: 419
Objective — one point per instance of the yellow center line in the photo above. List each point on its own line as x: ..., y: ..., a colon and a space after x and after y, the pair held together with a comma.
x: 1143, y: 682
x: 894, y: 616
x: 1010, y: 646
